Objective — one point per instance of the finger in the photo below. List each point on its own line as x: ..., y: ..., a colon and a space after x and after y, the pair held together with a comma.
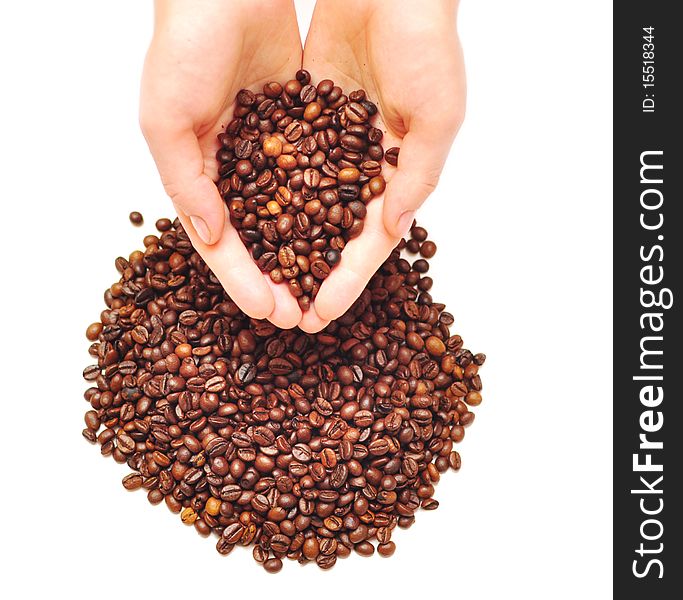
x: 421, y: 160
x: 230, y: 262
x: 286, y: 313
x: 359, y: 261
x: 311, y: 321
x: 180, y: 162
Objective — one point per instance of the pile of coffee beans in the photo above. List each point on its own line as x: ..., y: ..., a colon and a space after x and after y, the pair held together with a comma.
x: 303, y: 446
x: 298, y: 165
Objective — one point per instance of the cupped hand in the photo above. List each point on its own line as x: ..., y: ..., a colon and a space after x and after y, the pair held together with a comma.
x: 406, y: 55
x: 202, y: 53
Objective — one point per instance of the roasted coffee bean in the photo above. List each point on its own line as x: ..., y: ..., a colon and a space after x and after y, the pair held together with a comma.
x: 93, y: 331
x: 320, y: 269
x: 133, y: 481
x: 233, y: 532
x: 391, y: 156
x: 286, y: 257
x: 311, y: 548
x: 91, y: 372
x: 386, y: 549
x: 332, y: 257
x: 272, y: 565
x: 136, y: 218
x: 428, y: 249
x: 92, y: 420
x: 260, y: 555
x: 245, y: 98
x: 326, y: 561
x: 430, y: 504
x: 364, y: 548
x: 188, y: 516
x: 163, y: 225
x: 223, y: 546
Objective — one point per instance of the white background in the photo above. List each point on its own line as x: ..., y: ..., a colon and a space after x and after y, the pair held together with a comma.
x: 524, y: 263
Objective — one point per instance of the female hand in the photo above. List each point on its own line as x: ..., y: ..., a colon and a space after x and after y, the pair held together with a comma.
x: 202, y: 53
x: 406, y: 55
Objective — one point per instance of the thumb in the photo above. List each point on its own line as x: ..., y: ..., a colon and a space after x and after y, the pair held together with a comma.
x: 421, y: 160
x: 181, y: 166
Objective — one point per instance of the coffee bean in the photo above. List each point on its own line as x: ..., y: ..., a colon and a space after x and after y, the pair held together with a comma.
x: 312, y: 178
x: 302, y: 452
x: 279, y: 543
x: 89, y: 435
x: 328, y: 546
x: 286, y: 256
x: 326, y: 561
x: 92, y: 420
x: 332, y: 257
x: 355, y: 112
x: 430, y: 504
x: 163, y: 225
x: 387, y: 549
x: 93, y: 331
x: 428, y: 249
x: 136, y: 218
x: 377, y: 185
x: 245, y: 98
x: 223, y: 546
x: 379, y: 447
x: 293, y: 131
x: 473, y: 398
x: 133, y: 481
x: 320, y: 269
x: 364, y: 548
x: 435, y: 346
x: 454, y: 461
x: 272, y: 565
x: 213, y: 506
x: 259, y: 554
x: 272, y: 147
x: 391, y: 156
x: 311, y: 548
x: 348, y: 175
x: 139, y: 334
x: 188, y: 516
x: 91, y: 372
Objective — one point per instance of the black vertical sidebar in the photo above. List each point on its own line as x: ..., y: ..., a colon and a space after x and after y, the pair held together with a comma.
x: 648, y: 267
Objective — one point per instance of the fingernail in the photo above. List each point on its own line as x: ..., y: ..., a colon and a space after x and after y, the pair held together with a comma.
x: 405, y: 222
x: 201, y: 228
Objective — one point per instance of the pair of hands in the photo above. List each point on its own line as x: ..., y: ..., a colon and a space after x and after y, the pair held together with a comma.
x: 404, y: 53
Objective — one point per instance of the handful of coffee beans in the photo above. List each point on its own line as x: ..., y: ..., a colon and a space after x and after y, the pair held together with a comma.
x: 303, y: 446
x: 298, y: 164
